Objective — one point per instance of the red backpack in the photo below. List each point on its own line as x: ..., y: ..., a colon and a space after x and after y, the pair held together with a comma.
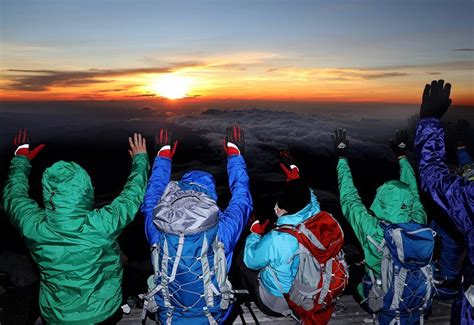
x: 322, y: 273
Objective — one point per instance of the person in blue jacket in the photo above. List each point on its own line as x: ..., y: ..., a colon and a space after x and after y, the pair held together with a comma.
x: 448, y: 267
x: 230, y: 221
x: 271, y: 255
x: 453, y: 193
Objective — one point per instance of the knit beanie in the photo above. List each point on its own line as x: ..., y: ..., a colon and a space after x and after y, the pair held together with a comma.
x: 295, y: 196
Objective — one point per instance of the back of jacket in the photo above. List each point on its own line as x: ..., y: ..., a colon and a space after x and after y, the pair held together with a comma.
x: 74, y: 245
x: 276, y: 252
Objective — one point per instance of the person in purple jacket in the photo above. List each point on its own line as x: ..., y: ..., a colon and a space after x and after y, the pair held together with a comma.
x: 453, y: 193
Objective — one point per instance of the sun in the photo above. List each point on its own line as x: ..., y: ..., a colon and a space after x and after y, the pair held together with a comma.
x: 171, y: 86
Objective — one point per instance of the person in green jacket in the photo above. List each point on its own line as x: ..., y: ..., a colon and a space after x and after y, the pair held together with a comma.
x: 74, y: 245
x: 396, y: 201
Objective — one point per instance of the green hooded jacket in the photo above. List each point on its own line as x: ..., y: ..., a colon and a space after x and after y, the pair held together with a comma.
x: 396, y: 201
x: 74, y: 244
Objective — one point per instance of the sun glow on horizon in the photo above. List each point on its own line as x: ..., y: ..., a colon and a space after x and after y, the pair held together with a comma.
x: 171, y: 86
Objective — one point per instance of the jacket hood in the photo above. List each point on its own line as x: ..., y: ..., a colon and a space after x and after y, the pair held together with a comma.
x: 67, y: 192
x: 307, y: 212
x: 393, y: 202
x: 199, y: 181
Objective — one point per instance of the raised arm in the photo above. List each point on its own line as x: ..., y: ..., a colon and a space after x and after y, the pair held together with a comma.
x: 235, y: 217
x: 160, y: 177
x: 454, y: 194
x: 362, y: 222
x: 113, y: 218
x: 407, y: 174
x: 258, y: 249
x: 352, y: 207
x: 23, y: 211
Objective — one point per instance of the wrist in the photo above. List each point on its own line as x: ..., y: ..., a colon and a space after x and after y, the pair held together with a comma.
x: 232, y: 149
x: 22, y: 150
x: 165, y: 152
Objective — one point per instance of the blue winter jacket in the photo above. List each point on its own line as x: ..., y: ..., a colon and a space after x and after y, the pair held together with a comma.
x: 231, y: 221
x: 454, y: 194
x: 277, y: 251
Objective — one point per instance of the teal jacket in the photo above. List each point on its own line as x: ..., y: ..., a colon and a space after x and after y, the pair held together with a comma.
x: 74, y: 245
x: 277, y: 252
x: 396, y: 201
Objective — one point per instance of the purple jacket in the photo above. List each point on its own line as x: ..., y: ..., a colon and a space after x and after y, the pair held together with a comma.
x: 454, y: 194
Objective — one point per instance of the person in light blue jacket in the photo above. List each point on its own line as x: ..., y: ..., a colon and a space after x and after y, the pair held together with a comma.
x: 275, y: 254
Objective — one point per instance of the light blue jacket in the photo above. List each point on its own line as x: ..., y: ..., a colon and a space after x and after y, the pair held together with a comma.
x: 276, y: 251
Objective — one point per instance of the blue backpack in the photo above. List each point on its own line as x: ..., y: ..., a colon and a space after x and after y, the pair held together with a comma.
x: 406, y: 285
x: 190, y: 272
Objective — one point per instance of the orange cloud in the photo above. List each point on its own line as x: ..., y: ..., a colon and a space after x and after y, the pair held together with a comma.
x: 246, y: 75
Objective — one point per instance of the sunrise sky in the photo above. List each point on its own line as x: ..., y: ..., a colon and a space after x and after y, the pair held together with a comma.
x: 336, y: 51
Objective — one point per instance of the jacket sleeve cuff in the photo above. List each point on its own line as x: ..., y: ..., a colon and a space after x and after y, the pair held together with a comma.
x: 430, y: 121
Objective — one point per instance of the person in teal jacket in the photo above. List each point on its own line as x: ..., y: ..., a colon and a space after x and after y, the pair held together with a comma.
x: 275, y: 254
x: 74, y: 245
x: 396, y: 201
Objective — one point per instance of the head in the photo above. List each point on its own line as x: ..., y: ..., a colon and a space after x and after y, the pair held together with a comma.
x: 200, y: 181
x: 393, y: 202
x: 295, y: 196
x: 67, y: 190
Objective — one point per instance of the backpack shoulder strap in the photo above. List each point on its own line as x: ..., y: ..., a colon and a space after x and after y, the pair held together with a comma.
x: 289, y: 229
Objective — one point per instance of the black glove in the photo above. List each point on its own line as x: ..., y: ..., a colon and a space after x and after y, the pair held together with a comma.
x: 462, y: 131
x: 341, y: 144
x: 399, y: 146
x: 435, y: 99
x: 288, y: 165
x: 234, y: 142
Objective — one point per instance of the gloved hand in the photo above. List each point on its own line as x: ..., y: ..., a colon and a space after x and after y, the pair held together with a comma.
x: 399, y: 145
x: 288, y: 165
x: 258, y: 228
x: 435, y: 99
x: 21, y: 142
x: 137, y: 144
x: 163, y: 140
x: 234, y: 143
x: 462, y: 131
x: 341, y: 144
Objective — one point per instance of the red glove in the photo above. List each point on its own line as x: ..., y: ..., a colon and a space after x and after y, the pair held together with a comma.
x: 234, y: 142
x: 287, y: 164
x: 163, y: 140
x: 20, y: 141
x: 258, y: 228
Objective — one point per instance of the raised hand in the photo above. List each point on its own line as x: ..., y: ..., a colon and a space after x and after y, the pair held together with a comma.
x: 341, y: 144
x: 400, y: 144
x: 288, y: 165
x: 164, y: 141
x: 259, y: 228
x: 137, y: 144
x: 234, y: 142
x: 435, y: 99
x: 21, y: 143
